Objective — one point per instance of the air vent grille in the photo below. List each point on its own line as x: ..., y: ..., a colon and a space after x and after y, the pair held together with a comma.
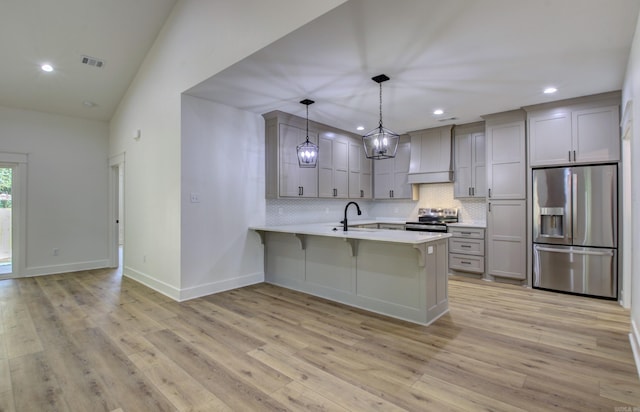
x: 447, y: 119
x: 92, y: 61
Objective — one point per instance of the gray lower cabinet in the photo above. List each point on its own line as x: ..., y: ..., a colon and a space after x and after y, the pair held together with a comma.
x: 466, y: 250
x: 506, y: 239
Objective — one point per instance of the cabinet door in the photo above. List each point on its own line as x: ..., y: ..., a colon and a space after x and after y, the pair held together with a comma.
x: 294, y: 180
x: 596, y: 135
x: 383, y: 178
x: 360, y: 180
x: 354, y: 169
x: 401, y: 186
x: 462, y: 157
x: 478, y: 165
x: 341, y: 168
x: 325, y: 168
x: 550, y: 139
x: 506, y: 232
x: 333, y: 169
x: 506, y: 161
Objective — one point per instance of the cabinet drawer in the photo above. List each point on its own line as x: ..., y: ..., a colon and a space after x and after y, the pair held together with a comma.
x: 476, y: 233
x: 466, y: 246
x: 466, y: 263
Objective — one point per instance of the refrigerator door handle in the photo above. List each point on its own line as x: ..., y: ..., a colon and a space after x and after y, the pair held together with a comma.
x: 607, y: 252
x: 574, y: 206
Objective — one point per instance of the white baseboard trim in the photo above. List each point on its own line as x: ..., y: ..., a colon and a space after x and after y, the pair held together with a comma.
x: 150, y: 282
x: 67, y: 267
x: 221, y: 286
x: 634, y: 338
x: 182, y: 295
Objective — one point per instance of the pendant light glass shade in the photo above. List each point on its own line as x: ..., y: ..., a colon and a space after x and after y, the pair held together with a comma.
x: 307, y: 150
x: 380, y: 143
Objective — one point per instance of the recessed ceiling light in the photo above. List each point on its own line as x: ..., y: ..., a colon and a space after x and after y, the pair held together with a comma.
x: 438, y: 111
x: 47, y: 67
x: 550, y: 90
x: 360, y: 128
x: 88, y: 103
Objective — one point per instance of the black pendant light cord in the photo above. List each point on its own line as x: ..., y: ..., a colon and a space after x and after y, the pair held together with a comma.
x: 380, y: 105
x: 307, y: 123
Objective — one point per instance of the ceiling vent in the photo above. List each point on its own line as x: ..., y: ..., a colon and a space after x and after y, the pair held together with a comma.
x: 92, y: 61
x: 447, y: 119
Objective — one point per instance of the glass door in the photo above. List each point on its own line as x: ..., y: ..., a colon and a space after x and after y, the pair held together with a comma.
x: 6, y: 220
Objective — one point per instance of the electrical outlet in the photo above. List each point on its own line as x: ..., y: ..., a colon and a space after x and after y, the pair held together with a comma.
x: 195, y: 197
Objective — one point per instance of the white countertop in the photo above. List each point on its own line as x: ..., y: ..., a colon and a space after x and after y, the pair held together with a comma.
x: 481, y: 225
x: 379, y: 235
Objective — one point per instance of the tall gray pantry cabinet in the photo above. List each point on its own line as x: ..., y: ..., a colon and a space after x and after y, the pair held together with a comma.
x: 506, y: 196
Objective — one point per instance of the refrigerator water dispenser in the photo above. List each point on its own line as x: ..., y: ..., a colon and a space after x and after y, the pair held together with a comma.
x: 552, y: 222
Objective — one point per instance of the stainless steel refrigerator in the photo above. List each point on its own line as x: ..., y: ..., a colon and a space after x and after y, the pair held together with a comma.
x: 575, y: 237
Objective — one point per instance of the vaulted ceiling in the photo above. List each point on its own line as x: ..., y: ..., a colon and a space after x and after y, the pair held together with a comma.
x: 60, y: 32
x: 466, y: 57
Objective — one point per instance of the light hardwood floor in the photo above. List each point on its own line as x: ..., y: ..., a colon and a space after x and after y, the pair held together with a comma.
x: 92, y: 341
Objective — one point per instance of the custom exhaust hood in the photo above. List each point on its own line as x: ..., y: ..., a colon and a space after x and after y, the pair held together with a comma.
x: 431, y: 155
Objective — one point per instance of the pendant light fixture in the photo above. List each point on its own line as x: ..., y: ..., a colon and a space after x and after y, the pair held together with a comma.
x: 380, y: 143
x: 307, y: 151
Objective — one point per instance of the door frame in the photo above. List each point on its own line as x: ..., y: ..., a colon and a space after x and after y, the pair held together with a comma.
x: 115, y: 164
x: 18, y: 162
x: 625, y: 220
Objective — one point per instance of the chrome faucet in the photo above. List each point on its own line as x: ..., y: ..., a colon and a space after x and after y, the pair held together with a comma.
x: 344, y: 222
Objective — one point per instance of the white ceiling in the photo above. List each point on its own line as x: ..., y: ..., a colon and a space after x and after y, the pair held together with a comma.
x: 59, y: 32
x: 468, y: 57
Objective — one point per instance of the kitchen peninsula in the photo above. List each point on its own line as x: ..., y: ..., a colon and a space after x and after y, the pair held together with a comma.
x: 401, y: 274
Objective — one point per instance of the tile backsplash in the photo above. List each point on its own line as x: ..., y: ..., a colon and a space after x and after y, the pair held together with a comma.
x: 441, y: 195
x: 291, y: 211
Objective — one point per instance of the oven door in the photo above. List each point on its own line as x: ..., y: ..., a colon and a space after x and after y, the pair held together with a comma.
x: 422, y: 227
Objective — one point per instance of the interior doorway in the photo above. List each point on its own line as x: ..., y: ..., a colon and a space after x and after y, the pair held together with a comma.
x: 6, y: 219
x: 116, y: 210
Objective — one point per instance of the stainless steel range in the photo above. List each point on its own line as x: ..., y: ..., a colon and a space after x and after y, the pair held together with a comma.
x: 433, y: 220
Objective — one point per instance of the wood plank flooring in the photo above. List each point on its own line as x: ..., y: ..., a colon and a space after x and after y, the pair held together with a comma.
x: 93, y: 341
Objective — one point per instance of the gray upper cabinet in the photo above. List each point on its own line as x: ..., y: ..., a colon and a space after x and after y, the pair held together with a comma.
x: 360, y: 176
x: 550, y: 138
x: 596, y: 134
x: 342, y: 171
x: 583, y: 130
x: 506, y: 162
x: 295, y: 181
x: 390, y: 175
x: 431, y: 160
x: 470, y: 171
x: 333, y: 167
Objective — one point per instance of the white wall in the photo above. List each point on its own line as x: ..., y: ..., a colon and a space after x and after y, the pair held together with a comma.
x: 66, y: 188
x: 631, y: 93
x: 199, y: 39
x: 223, y: 165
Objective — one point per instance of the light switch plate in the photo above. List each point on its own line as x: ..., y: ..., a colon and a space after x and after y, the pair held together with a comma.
x: 195, y: 197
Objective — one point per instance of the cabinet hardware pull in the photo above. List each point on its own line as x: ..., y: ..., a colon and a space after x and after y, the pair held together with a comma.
x: 464, y: 262
x: 465, y: 233
x: 489, y: 206
x: 489, y: 192
x: 469, y: 191
x: 574, y: 155
x: 466, y: 246
x: 335, y: 192
x: 473, y: 191
x: 361, y: 193
x: 301, y: 190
